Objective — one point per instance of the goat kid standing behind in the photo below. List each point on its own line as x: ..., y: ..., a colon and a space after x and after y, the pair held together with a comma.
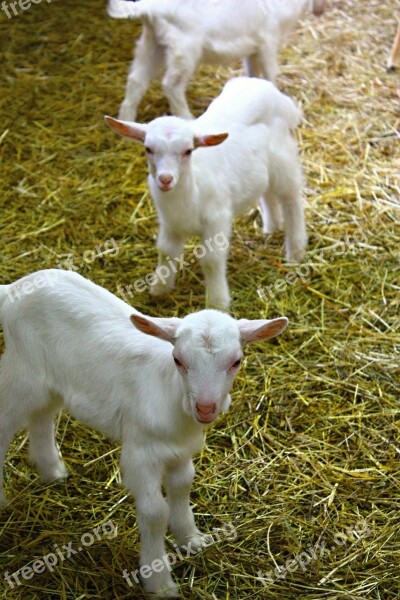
x: 203, y: 173
x: 178, y: 35
x: 152, y: 383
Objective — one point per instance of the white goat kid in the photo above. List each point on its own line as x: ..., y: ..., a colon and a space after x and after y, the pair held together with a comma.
x: 178, y: 35
x: 154, y: 386
x: 200, y: 194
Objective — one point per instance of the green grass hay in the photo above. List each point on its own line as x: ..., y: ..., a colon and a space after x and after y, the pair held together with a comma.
x: 309, y: 453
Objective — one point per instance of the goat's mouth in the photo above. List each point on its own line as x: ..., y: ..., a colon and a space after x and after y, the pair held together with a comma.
x: 206, y: 413
x: 165, y: 187
x: 206, y: 419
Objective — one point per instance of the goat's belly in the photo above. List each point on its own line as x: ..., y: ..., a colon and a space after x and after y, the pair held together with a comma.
x: 105, y: 418
x: 225, y: 52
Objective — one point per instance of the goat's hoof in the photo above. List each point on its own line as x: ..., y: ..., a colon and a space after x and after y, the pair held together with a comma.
x: 269, y: 227
x: 195, y: 542
x: 200, y: 541
x: 219, y: 304
x: 55, y: 473
x: 295, y: 258
x: 169, y: 590
x: 158, y: 289
x: 169, y: 593
x: 295, y: 252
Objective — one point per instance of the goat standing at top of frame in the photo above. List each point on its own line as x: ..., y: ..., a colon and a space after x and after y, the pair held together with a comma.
x: 199, y: 195
x: 179, y: 35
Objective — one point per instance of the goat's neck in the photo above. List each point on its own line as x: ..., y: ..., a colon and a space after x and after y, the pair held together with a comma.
x: 187, y: 186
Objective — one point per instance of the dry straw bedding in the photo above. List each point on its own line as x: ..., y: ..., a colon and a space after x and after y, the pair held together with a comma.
x: 311, y: 447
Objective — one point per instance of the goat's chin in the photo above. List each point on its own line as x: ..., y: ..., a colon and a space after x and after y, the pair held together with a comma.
x: 206, y: 420
x: 165, y: 187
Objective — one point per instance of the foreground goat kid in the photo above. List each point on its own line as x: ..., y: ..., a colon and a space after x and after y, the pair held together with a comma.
x: 199, y: 184
x: 178, y: 35
x: 152, y: 383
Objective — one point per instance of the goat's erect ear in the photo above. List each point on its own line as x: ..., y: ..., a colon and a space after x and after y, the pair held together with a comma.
x: 251, y: 331
x: 134, y: 131
x: 164, y: 330
x: 202, y: 141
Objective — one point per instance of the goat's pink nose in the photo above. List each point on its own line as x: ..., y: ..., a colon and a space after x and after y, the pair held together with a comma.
x: 165, y: 179
x: 206, y: 409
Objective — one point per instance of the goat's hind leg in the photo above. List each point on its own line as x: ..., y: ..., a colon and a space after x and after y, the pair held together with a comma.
x: 18, y: 402
x: 146, y: 65
x: 21, y: 405
x: 181, y: 66
x: 271, y: 213
x: 12, y: 415
x: 251, y: 66
x: 43, y: 451
x: 295, y: 228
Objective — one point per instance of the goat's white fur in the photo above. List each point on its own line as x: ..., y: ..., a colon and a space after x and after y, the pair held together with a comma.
x: 200, y: 195
x: 70, y: 342
x: 178, y: 35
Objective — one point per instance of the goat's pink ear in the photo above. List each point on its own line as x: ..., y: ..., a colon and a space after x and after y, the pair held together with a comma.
x: 166, y: 331
x: 128, y: 129
x: 251, y: 331
x: 202, y: 141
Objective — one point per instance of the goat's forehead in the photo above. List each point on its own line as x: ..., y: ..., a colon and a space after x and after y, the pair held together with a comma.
x: 213, y: 333
x: 169, y: 132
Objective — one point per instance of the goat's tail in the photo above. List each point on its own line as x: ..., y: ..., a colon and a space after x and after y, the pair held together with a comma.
x: 127, y: 9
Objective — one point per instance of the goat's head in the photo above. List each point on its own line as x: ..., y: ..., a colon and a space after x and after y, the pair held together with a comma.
x: 169, y: 143
x: 207, y: 352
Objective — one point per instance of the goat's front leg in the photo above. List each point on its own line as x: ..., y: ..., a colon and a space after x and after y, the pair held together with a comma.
x: 214, y: 265
x: 170, y: 249
x: 178, y: 483
x: 143, y: 477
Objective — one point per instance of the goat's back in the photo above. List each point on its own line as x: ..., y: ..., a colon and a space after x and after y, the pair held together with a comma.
x: 249, y: 101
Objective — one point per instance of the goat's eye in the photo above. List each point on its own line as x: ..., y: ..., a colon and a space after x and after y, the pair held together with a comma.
x: 177, y: 362
x: 188, y: 152
x: 148, y: 150
x: 237, y: 363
